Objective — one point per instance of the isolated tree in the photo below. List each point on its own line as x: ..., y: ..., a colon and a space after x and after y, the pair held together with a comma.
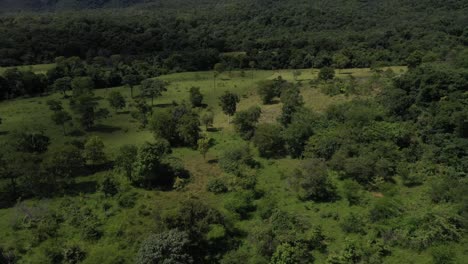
x: 125, y: 158
x: 81, y: 86
x: 196, y: 98
x: 296, y: 74
x: 131, y: 80
x: 63, y: 85
x: 204, y: 144
x: 268, y: 140
x: 188, y: 129
x: 235, y: 158
x: 116, y: 100
x: 292, y: 101
x: 326, y: 73
x: 218, y: 69
x: 94, y: 150
x: 169, y: 247
x: 143, y: 110
x: 207, y: 119
x: 86, y: 106
x: 152, y: 88
x: 109, y: 186
x: 228, y: 102
x: 246, y: 121
x: 61, y: 118
x: 146, y: 168
x: 267, y: 90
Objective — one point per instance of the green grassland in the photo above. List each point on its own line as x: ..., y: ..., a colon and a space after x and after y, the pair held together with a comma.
x: 38, y: 68
x: 124, y: 228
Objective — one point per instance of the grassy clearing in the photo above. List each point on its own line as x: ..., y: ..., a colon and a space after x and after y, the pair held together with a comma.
x: 38, y: 68
x: 125, y: 227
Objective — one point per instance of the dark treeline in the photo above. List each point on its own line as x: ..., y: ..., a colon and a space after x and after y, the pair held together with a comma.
x: 265, y: 34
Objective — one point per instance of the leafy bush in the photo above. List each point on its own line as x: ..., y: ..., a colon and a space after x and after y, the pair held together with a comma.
x: 313, y: 182
x: 240, y: 203
x: 172, y: 246
x: 268, y: 140
x: 217, y: 186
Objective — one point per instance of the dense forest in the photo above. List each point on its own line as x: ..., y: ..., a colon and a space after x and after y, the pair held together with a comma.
x: 203, y: 131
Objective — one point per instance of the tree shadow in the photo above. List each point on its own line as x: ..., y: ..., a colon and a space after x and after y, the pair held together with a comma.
x: 83, y: 187
x: 123, y: 113
x: 4, y: 133
x: 105, y: 128
x: 93, y: 169
x: 214, y: 129
x: 162, y: 105
x: 76, y: 133
x: 213, y: 161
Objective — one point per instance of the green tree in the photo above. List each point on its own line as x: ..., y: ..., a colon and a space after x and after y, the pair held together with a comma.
x: 86, y: 106
x: 228, y: 102
x: 170, y: 247
x: 82, y: 86
x: 54, y: 105
x: 326, y: 73
x: 292, y: 101
x: 31, y: 140
x: 288, y: 253
x: 268, y: 140
x: 147, y: 167
x: 63, y: 85
x: 313, y: 183
x: 116, y: 100
x: 246, y: 121
x: 131, y: 80
x: 143, y: 110
x: 204, y: 144
x: 109, y: 186
x: 152, y: 88
x: 61, y: 118
x: 196, y: 97
x: 207, y: 119
x: 62, y: 165
x: 94, y: 150
x: 125, y: 158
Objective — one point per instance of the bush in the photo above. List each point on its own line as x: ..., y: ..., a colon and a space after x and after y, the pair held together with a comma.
x: 353, y: 223
x: 268, y: 140
x: 326, y: 73
x: 240, y: 203
x: 352, y: 192
x: 73, y: 254
x: 217, y: 186
x: 235, y: 159
x: 313, y: 182
x: 443, y: 255
x: 246, y: 121
x: 385, y: 208
x: 169, y: 247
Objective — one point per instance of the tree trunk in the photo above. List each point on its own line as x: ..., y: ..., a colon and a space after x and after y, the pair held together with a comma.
x: 131, y: 91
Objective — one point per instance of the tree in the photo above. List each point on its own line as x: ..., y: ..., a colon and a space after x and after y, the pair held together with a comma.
x: 30, y: 140
x: 125, y: 158
x: 61, y: 165
x: 86, y: 106
x: 296, y: 74
x: 94, y: 150
x: 292, y: 101
x: 146, y: 168
x: 143, y: 110
x: 116, y: 100
x: 82, y: 86
x: 153, y: 88
x: 60, y: 118
x: 246, y: 121
x: 313, y: 183
x: 218, y: 69
x: 287, y: 253
x: 268, y: 140
x: 55, y: 105
x: 204, y: 144
x: 109, y: 186
x: 414, y: 59
x: 207, y: 119
x: 170, y: 247
x: 63, y: 85
x: 131, y: 80
x: 196, y: 98
x: 299, y: 131
x: 236, y: 158
x: 326, y: 73
x: 267, y: 90
x: 228, y: 103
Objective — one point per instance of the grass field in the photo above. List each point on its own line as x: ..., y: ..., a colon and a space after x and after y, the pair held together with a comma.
x: 38, y: 68
x: 124, y: 228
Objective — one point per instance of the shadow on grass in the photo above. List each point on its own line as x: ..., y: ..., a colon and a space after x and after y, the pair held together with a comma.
x: 162, y: 105
x: 214, y: 129
x: 213, y: 161
x: 87, y: 187
x: 123, y: 113
x: 105, y: 128
x: 4, y: 133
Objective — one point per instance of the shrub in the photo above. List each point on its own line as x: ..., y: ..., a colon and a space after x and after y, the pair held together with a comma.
x: 268, y: 140
x: 313, y: 182
x: 235, y: 159
x: 217, y: 186
x: 240, y: 203
x: 73, y: 254
x: 353, y: 223
x: 172, y: 246
x: 385, y: 208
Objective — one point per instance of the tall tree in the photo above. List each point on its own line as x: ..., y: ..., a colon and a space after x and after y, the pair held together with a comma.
x: 60, y: 118
x: 131, y: 80
x: 228, y: 102
x: 116, y: 100
x: 63, y: 85
x: 94, y: 150
x: 196, y: 97
x: 153, y: 88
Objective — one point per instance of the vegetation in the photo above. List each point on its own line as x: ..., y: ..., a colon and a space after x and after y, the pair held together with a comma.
x: 331, y: 156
